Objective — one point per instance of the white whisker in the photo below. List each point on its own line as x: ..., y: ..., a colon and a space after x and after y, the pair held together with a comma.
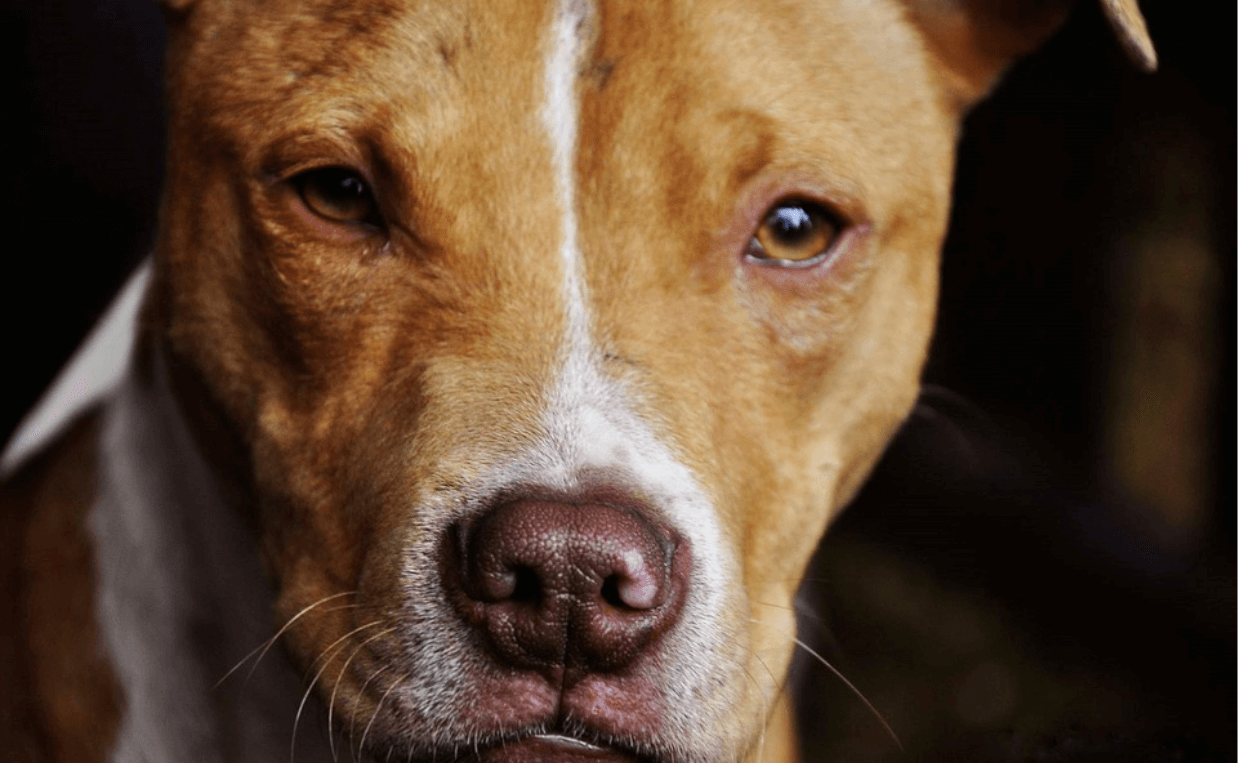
x: 374, y: 716
x: 855, y: 691
x: 305, y: 697
x: 765, y: 705
x: 264, y: 647
x: 331, y: 705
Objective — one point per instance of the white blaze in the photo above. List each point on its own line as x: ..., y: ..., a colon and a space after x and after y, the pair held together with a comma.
x: 560, y: 116
x: 589, y: 420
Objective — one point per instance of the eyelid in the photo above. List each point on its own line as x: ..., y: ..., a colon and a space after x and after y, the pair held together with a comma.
x: 777, y: 262
x: 301, y: 150
x: 292, y: 172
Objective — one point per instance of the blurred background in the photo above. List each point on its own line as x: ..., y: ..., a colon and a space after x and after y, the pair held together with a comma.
x: 1043, y: 566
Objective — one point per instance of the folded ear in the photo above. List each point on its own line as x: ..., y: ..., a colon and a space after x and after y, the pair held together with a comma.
x: 176, y: 7
x: 976, y: 39
x: 1128, y: 24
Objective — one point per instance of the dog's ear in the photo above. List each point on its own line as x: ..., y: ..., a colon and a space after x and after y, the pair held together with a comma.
x: 1129, y: 25
x: 976, y: 39
x: 175, y: 6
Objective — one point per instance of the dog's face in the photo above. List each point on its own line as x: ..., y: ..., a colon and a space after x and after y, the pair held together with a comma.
x: 647, y: 284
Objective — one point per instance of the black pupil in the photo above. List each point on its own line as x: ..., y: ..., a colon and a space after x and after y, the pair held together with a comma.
x: 790, y: 225
x: 348, y: 187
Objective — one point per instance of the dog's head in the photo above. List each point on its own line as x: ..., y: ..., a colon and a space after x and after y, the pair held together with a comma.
x: 545, y: 339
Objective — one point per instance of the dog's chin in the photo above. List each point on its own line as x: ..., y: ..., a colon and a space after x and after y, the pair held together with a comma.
x: 534, y: 748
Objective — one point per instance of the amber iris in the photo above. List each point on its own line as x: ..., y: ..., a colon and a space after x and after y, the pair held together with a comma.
x: 794, y: 233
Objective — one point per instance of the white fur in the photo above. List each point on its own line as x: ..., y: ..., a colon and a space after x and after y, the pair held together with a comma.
x: 91, y: 375
x: 181, y: 598
x: 170, y: 559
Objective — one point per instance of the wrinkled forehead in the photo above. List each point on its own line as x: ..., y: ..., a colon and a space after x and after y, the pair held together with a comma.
x: 836, y: 84
x: 351, y: 68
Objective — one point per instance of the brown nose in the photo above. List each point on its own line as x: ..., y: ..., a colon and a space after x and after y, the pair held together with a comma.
x: 580, y: 586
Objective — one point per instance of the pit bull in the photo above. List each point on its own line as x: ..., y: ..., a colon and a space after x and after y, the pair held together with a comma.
x: 497, y: 370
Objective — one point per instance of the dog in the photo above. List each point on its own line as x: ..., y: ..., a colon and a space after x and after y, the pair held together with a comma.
x: 496, y: 372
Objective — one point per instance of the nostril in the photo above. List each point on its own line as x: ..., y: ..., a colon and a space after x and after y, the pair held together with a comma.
x: 610, y: 593
x: 527, y: 587
x: 516, y: 582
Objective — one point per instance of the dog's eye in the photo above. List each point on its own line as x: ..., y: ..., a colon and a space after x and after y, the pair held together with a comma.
x: 794, y: 234
x: 337, y: 194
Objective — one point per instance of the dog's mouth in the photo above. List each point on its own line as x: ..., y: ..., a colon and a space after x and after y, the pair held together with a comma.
x: 554, y: 747
x: 548, y: 747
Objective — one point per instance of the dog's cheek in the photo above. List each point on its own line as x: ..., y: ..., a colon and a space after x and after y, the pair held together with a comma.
x: 843, y: 371
x: 334, y: 509
x: 877, y: 380
x: 346, y: 465
x: 318, y: 416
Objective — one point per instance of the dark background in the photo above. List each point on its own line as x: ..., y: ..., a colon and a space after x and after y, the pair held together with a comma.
x: 1043, y: 567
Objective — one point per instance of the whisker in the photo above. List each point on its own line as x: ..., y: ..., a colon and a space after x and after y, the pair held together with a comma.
x: 340, y: 608
x: 765, y: 705
x: 775, y: 606
x: 932, y: 395
x: 374, y: 715
x: 802, y: 612
x: 334, y: 689
x: 967, y: 422
x: 855, y: 691
x: 323, y: 655
x: 813, y: 580
x: 264, y: 647
x: 296, y: 722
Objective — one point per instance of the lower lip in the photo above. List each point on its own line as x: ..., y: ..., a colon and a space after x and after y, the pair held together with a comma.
x: 553, y: 749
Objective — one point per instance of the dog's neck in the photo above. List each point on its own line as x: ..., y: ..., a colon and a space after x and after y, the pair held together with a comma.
x: 182, y: 594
